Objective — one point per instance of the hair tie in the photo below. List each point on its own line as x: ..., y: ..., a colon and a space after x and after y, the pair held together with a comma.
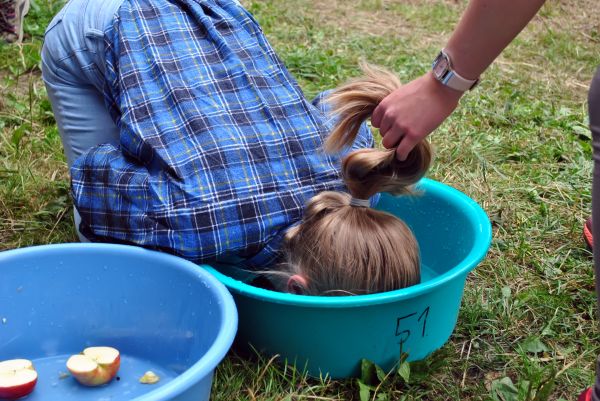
x: 360, y: 202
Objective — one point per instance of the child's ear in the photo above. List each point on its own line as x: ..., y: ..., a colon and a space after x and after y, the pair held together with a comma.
x: 297, y: 285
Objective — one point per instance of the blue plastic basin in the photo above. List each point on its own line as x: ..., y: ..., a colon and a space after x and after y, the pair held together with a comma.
x: 161, y: 312
x: 330, y: 335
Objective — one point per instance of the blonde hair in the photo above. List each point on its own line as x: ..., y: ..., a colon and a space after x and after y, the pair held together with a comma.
x: 342, y: 249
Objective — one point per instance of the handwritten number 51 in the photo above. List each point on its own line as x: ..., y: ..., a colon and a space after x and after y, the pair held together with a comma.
x: 404, y: 334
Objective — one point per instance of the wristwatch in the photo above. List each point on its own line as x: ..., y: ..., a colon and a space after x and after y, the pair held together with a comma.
x: 443, y: 72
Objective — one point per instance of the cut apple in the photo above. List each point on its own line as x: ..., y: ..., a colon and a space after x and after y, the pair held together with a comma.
x: 149, y: 378
x: 17, y: 378
x: 95, y: 366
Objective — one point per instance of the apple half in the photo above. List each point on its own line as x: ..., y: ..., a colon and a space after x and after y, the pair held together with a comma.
x: 17, y: 378
x: 95, y: 366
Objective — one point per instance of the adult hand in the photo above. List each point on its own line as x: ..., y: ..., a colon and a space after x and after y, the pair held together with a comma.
x: 412, y: 112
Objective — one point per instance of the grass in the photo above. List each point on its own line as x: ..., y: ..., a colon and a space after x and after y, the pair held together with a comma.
x: 518, y: 145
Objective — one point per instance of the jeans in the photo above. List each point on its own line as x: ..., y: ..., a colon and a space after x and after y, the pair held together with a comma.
x: 73, y: 72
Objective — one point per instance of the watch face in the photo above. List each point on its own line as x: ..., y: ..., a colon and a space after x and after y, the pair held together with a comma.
x: 440, y: 67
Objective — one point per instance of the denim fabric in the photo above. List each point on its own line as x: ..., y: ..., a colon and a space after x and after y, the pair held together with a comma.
x: 73, y: 72
x: 72, y: 69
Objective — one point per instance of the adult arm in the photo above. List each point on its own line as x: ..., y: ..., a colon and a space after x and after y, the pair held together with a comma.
x: 413, y: 111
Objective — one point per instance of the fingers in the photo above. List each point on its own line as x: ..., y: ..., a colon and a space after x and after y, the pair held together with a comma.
x: 396, y: 136
x: 383, y: 119
x: 396, y: 131
x: 392, y: 137
x: 402, y: 141
x: 406, y: 145
x: 386, y: 125
x: 377, y: 115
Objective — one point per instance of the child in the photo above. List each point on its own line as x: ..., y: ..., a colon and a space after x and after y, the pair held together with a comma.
x: 343, y: 246
x: 185, y: 133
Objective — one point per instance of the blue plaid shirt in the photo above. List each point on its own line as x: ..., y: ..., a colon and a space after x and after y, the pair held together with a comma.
x: 219, y: 149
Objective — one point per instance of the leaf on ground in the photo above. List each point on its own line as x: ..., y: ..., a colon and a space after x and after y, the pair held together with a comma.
x: 382, y: 397
x: 545, y: 388
x: 19, y: 133
x: 404, y: 371
x: 364, y: 391
x: 370, y: 373
x: 504, y: 390
x: 533, y: 345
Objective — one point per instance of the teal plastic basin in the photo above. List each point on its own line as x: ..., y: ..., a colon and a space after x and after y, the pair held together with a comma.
x: 330, y: 335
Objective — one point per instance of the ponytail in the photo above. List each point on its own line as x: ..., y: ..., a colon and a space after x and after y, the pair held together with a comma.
x: 348, y: 249
x: 355, y: 101
x: 368, y: 171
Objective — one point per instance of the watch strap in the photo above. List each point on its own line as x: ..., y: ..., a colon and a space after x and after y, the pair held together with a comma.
x: 453, y: 80
x: 448, y: 76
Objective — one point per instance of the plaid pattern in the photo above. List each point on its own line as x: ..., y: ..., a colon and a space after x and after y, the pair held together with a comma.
x: 219, y: 149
